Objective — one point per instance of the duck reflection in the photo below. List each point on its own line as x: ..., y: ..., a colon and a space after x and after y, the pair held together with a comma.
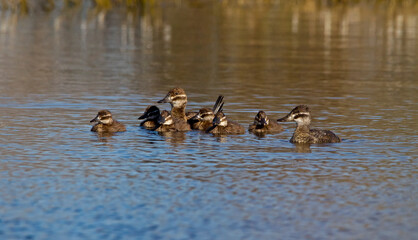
x: 173, y: 137
x: 259, y: 135
x: 105, y: 137
x: 221, y: 138
x: 302, y: 148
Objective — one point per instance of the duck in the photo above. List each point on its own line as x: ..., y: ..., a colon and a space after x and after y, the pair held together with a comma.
x: 262, y: 124
x: 204, y: 118
x: 150, y: 116
x: 222, y: 126
x: 178, y: 100
x: 303, y: 133
x: 165, y: 122
x: 106, y: 124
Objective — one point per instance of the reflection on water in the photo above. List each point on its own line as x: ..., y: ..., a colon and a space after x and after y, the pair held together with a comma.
x: 173, y: 137
x: 302, y: 148
x: 353, y: 63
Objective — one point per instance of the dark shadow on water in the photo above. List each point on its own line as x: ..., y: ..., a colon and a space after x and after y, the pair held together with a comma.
x: 259, y: 135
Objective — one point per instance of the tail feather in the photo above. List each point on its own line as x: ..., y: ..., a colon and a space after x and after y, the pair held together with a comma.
x: 218, y: 104
x: 220, y: 108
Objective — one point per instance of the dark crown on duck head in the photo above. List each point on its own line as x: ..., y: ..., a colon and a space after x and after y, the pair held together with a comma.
x: 300, y: 113
x: 151, y: 113
x: 104, y: 117
x: 176, y: 96
x: 261, y: 119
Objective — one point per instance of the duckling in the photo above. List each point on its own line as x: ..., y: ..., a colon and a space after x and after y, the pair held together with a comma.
x: 204, y: 118
x: 150, y: 116
x: 190, y: 115
x: 178, y: 99
x: 303, y: 133
x: 263, y: 125
x: 106, y: 124
x: 221, y: 125
x: 165, y: 122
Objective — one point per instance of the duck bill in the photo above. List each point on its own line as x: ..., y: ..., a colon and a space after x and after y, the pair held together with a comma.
x: 96, y: 119
x: 165, y: 100
x: 143, y: 116
x: 264, y: 122
x: 161, y: 120
x: 286, y: 118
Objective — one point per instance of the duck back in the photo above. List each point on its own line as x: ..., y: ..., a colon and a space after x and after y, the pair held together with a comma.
x: 114, y: 127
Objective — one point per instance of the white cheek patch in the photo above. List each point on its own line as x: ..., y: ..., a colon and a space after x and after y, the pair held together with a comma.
x: 223, y: 122
x: 299, y: 120
x: 179, y: 103
x: 168, y: 121
x: 208, y: 118
x: 106, y: 121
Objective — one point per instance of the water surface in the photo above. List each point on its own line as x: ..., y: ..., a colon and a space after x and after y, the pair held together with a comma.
x: 354, y: 65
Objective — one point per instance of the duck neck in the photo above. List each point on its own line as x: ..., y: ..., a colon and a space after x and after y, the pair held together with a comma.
x: 302, y: 127
x: 179, y: 112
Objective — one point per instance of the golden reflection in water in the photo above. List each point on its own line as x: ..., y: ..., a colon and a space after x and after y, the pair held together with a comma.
x: 228, y: 34
x: 333, y: 20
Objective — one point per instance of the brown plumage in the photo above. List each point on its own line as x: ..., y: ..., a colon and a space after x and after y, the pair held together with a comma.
x: 222, y: 126
x: 106, y: 124
x: 262, y: 124
x: 150, y: 117
x: 178, y: 99
x: 204, y: 118
x: 303, y: 133
x: 165, y: 122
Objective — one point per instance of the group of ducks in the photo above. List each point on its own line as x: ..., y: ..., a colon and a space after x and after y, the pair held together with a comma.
x: 214, y: 121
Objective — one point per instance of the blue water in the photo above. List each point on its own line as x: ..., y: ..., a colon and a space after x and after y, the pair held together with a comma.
x: 58, y: 180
